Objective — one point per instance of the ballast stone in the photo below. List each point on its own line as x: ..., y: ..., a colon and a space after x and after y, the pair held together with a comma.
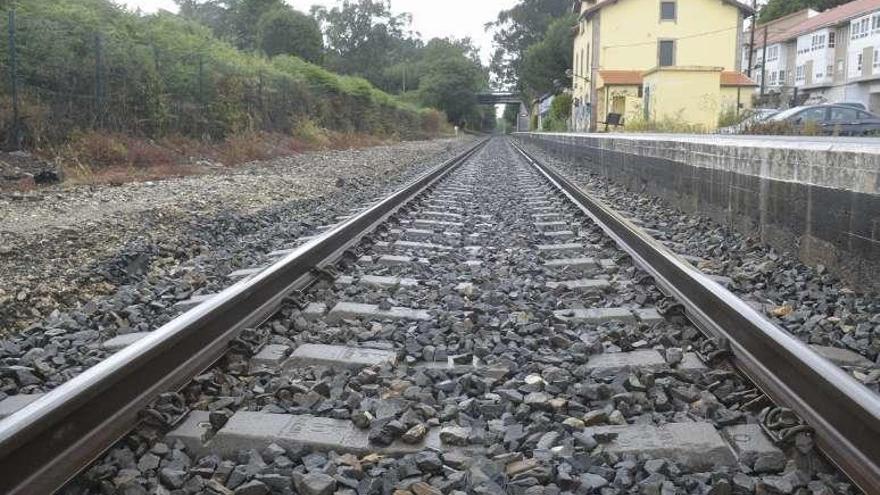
x: 696, y: 446
x: 335, y: 356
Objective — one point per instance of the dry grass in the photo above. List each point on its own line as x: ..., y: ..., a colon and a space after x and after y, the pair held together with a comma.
x: 110, y: 158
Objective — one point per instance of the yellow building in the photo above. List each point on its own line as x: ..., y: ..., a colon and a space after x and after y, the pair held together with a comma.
x: 659, y: 59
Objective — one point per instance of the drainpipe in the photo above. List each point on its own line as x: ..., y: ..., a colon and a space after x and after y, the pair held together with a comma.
x: 752, y: 43
x: 764, y: 62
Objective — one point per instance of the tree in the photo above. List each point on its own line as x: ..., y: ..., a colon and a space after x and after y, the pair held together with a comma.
x: 546, y: 62
x: 516, y: 30
x: 286, y: 31
x: 451, y: 79
x: 271, y: 26
x: 775, y: 9
x: 364, y: 38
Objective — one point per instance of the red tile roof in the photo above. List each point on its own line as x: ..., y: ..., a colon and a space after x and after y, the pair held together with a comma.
x: 832, y: 17
x: 634, y: 78
x: 778, y: 28
x: 747, y: 8
x: 621, y: 77
x: 733, y: 78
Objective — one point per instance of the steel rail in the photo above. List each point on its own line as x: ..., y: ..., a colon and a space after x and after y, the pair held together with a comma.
x: 48, y: 442
x: 844, y: 413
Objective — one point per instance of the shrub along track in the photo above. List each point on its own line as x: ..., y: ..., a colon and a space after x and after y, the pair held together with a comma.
x: 490, y: 335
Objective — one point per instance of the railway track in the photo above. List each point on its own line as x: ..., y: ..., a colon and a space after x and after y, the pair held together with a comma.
x: 490, y: 328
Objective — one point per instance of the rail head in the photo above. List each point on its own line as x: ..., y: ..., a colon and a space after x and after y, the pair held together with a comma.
x: 844, y: 413
x: 45, y: 444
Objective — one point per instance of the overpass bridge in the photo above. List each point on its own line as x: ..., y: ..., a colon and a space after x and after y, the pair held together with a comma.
x: 508, y: 98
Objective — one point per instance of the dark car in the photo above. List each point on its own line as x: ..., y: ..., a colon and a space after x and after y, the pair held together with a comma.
x: 837, y: 120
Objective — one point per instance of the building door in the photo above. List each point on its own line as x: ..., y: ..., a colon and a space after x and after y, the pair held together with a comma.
x: 874, y: 103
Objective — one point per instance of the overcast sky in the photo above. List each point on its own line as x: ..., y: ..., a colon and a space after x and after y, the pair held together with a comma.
x: 458, y: 18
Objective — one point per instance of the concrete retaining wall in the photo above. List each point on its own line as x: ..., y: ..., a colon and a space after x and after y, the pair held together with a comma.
x: 819, y: 197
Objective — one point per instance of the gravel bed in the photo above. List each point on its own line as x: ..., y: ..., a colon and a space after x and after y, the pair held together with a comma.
x: 80, y: 265
x: 807, y: 301
x: 518, y: 412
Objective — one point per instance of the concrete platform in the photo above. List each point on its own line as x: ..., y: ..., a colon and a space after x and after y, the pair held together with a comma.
x: 583, y: 285
x: 596, y: 315
x: 348, y: 310
x: 378, y: 281
x: 696, y: 446
x: 256, y: 431
x: 572, y: 264
x: 340, y: 357
x: 751, y: 443
x: 554, y: 248
x: 645, y: 360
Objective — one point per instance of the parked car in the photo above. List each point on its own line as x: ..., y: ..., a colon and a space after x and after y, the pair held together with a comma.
x: 756, y: 116
x: 854, y: 104
x: 839, y: 120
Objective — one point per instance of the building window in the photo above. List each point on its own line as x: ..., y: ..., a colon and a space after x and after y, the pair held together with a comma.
x: 859, y: 63
x: 832, y: 39
x: 875, y: 22
x: 876, y: 58
x: 800, y: 74
x: 859, y: 28
x: 818, y: 42
x: 666, y: 51
x: 773, y: 53
x: 829, y: 71
x: 668, y: 11
x: 782, y: 77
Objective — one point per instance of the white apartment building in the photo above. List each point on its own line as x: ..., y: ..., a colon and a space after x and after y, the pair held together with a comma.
x: 775, y: 70
x: 814, y: 59
x: 833, y: 56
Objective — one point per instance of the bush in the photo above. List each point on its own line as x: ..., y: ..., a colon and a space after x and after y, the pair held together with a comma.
x: 164, y: 75
x: 676, y: 125
x: 731, y: 116
x: 774, y: 128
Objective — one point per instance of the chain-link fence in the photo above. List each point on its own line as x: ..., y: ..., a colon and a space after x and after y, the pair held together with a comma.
x: 60, y: 77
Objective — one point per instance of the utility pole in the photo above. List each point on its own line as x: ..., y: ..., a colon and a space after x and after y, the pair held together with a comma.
x: 764, y: 62
x: 99, y: 82
x: 13, y: 74
x: 752, y: 35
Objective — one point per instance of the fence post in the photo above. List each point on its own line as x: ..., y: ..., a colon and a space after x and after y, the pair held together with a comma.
x: 17, y: 137
x: 99, y: 82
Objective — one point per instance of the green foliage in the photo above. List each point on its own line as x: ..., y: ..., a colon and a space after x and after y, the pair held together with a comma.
x: 561, y: 107
x: 775, y: 9
x: 364, y: 38
x: 451, y: 80
x: 270, y: 26
x: 546, y: 62
x: 667, y: 124
x: 560, y: 112
x: 283, y: 31
x: 516, y: 30
x: 162, y: 73
x: 731, y: 116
